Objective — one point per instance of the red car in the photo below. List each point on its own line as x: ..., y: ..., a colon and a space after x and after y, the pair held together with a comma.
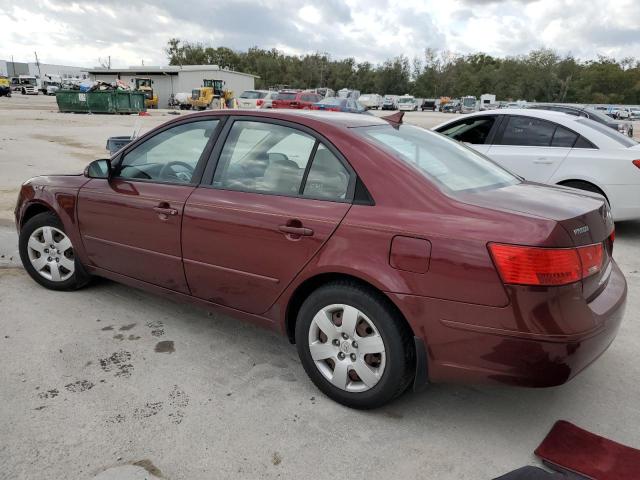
x: 392, y: 256
x: 296, y: 100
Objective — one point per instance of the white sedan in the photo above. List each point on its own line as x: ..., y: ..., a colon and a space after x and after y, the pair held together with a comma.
x: 556, y: 148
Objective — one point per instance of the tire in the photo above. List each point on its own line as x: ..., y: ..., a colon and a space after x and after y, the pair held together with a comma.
x: 388, y: 372
x: 71, y: 275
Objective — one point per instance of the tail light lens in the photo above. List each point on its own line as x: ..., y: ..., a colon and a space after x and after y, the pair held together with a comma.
x: 636, y: 163
x: 523, y: 265
x: 259, y: 102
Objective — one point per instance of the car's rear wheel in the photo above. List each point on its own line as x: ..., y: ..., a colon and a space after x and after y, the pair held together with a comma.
x: 48, y: 256
x: 354, y: 345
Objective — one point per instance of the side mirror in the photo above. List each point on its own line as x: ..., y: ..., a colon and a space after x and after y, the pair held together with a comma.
x: 98, y: 169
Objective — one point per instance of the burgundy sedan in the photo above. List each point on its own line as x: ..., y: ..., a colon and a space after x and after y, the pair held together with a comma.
x: 392, y: 256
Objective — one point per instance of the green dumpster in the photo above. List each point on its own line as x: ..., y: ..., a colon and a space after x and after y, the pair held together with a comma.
x: 115, y: 101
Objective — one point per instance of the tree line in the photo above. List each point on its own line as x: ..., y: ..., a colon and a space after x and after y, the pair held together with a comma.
x: 541, y: 75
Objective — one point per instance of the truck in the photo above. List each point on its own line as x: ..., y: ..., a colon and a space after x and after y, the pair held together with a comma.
x: 487, y: 101
x: 25, y: 84
x: 210, y: 95
x: 145, y: 85
x: 370, y: 101
x: 5, y: 86
x: 468, y: 104
x: 50, y: 84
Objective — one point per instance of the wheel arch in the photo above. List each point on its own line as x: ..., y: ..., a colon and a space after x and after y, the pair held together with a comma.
x: 566, y: 181
x: 35, y: 208
x: 311, y: 284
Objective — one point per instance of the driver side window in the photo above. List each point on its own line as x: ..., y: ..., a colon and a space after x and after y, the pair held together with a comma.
x: 170, y: 156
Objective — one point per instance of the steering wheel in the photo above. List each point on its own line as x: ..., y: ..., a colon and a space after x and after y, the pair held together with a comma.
x: 167, y: 172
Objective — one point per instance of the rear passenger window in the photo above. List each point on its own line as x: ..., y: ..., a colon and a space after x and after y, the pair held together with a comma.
x: 563, y: 137
x: 328, y: 179
x: 583, y: 143
x: 526, y: 131
x: 263, y: 157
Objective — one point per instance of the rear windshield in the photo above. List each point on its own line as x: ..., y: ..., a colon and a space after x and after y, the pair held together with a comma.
x: 252, y: 94
x: 286, y: 96
x: 614, y: 135
x: 448, y: 163
x: 406, y: 100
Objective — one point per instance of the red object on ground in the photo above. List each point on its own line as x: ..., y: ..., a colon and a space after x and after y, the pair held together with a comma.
x: 576, y: 450
x: 144, y: 114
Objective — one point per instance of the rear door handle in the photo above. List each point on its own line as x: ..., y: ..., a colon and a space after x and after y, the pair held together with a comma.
x: 295, y: 230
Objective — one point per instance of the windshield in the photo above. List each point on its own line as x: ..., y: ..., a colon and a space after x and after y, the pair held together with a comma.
x: 469, y: 102
x: 448, y: 163
x: 406, y: 100
x: 251, y: 94
x: 614, y: 135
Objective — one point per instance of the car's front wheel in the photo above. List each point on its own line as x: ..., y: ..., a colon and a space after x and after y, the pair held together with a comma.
x: 48, y: 256
x: 354, y: 345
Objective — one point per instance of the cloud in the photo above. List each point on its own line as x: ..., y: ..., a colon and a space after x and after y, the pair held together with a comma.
x: 78, y: 33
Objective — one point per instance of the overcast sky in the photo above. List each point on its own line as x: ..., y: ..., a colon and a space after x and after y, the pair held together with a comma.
x: 132, y: 31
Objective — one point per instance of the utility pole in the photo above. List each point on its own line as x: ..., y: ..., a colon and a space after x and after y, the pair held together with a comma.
x: 38, y: 64
x: 13, y: 66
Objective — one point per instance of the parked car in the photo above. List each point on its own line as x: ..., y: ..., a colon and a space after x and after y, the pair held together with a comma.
x: 389, y: 103
x: 335, y: 104
x: 556, y: 148
x: 618, y: 113
x: 451, y: 107
x: 321, y: 226
x: 297, y: 100
x: 370, y: 101
x: 634, y: 113
x: 626, y: 128
x: 429, y: 104
x: 252, y: 98
x: 407, y: 103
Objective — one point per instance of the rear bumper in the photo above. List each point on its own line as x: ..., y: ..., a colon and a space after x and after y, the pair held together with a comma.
x: 463, y: 347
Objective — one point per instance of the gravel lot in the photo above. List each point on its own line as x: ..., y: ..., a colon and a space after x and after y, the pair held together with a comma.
x: 110, y: 382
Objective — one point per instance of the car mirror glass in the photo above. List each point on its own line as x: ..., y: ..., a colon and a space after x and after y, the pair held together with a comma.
x: 98, y: 169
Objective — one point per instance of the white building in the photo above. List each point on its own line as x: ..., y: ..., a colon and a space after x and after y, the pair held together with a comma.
x: 177, y: 79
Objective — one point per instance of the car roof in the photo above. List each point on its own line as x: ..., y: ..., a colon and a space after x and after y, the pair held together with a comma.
x: 527, y: 112
x: 339, y: 119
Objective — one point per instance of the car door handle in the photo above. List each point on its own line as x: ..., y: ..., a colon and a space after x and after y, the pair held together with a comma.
x: 164, y: 209
x: 543, y: 161
x: 295, y: 230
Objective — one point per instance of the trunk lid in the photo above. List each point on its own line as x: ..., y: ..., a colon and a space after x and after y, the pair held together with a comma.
x: 584, y: 215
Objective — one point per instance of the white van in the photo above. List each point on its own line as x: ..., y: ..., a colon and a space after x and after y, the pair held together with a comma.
x: 407, y: 103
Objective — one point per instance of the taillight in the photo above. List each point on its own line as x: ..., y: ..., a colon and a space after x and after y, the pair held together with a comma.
x: 259, y: 102
x: 636, y: 163
x: 523, y: 265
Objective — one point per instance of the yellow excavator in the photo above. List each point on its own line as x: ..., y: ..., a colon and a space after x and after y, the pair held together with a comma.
x: 145, y: 85
x: 210, y: 95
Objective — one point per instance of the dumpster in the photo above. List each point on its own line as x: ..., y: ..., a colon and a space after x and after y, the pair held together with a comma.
x: 109, y: 101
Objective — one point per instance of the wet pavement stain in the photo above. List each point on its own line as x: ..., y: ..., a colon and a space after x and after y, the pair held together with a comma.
x: 41, y: 407
x: 134, y: 337
x: 79, y: 386
x: 127, y: 327
x: 53, y: 393
x: 109, y: 327
x: 158, y: 332
x: 149, y: 467
x: 119, y: 336
x: 149, y: 410
x: 166, y: 346
x: 118, y: 362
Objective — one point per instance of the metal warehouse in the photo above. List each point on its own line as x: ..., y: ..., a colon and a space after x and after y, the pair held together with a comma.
x: 176, y: 79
